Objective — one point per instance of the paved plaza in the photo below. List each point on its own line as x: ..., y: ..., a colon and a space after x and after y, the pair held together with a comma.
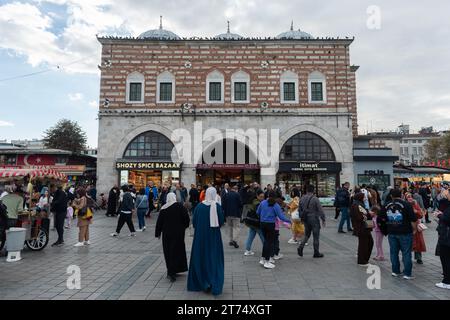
x: 134, y: 268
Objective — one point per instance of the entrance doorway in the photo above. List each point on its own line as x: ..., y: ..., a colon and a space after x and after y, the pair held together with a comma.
x: 237, y: 165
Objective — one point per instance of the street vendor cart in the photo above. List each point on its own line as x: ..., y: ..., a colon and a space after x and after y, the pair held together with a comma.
x: 36, y: 223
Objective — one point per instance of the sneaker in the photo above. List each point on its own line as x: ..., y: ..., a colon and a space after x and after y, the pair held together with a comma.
x: 79, y: 244
x: 350, y: 230
x: 318, y: 255
x: 396, y: 274
x: 419, y: 261
x: 262, y: 261
x: 306, y: 244
x: 363, y: 265
x: 235, y: 244
x: 443, y: 285
x: 139, y: 230
x: 300, y: 251
x: 132, y: 234
x: 271, y: 260
x: 292, y: 241
x: 248, y: 253
x: 57, y: 244
x: 114, y: 234
x: 87, y: 243
x: 341, y: 231
x: 278, y: 256
x: 144, y: 228
x: 269, y: 265
x: 409, y: 277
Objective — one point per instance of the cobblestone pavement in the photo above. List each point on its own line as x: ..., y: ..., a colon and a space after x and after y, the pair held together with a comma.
x: 134, y: 268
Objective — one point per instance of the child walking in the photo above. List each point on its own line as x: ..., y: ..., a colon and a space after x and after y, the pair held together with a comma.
x: 379, y: 236
x: 69, y: 215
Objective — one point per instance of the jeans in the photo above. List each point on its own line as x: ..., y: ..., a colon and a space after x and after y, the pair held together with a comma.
x: 403, y: 243
x: 268, y: 230
x: 141, y: 217
x: 125, y: 217
x: 251, y: 236
x: 345, y: 217
x: 312, y: 225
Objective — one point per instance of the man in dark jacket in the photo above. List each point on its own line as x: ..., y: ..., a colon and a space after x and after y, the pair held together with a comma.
x: 232, y: 207
x: 126, y: 211
x: 59, y: 209
x: 342, y: 201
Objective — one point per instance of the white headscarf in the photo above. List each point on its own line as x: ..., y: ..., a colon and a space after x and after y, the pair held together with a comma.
x: 210, y: 200
x: 170, y: 200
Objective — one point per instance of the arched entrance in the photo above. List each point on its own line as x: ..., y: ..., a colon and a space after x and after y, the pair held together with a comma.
x: 306, y: 158
x: 148, y: 157
x: 228, y: 161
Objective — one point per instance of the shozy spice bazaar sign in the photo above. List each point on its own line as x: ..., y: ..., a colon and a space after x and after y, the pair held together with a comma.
x: 148, y: 166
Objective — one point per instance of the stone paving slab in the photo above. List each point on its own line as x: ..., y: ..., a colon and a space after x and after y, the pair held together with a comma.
x: 128, y: 268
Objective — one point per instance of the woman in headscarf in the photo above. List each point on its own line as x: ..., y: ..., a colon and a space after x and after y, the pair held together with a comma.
x: 362, y: 228
x: 112, y: 202
x: 206, y: 268
x: 172, y: 222
x: 418, y: 240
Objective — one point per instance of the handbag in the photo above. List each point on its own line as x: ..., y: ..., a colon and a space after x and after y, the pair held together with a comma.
x: 88, y: 215
x: 369, y: 224
x: 295, y: 215
x: 421, y: 227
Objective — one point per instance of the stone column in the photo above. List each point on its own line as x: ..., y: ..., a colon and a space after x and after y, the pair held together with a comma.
x: 188, y: 175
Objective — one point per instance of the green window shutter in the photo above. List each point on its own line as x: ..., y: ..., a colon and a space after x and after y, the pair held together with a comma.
x: 316, y: 91
x: 289, y: 91
x: 240, y: 91
x: 165, y: 91
x: 135, y: 91
x: 215, y: 92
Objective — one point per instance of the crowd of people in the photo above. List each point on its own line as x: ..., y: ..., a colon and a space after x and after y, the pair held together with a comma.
x: 401, y: 215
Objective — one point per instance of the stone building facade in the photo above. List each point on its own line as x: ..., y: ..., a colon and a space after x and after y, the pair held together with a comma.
x: 156, y: 83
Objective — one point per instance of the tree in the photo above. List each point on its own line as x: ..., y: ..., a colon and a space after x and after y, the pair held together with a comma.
x: 65, y: 135
x: 438, y: 148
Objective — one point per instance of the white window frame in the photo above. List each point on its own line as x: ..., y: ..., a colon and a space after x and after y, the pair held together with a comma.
x: 215, y: 76
x: 240, y: 76
x: 317, y: 76
x: 289, y: 76
x: 135, y: 77
x: 165, y: 76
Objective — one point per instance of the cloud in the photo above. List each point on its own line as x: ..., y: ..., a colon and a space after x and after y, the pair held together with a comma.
x: 6, y: 124
x: 93, y: 104
x: 75, y: 96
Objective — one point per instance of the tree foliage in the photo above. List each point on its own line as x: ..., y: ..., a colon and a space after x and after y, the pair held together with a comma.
x: 66, y: 135
x: 438, y: 148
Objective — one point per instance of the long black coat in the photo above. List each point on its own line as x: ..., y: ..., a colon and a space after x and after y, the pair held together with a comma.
x: 112, y: 202
x: 172, y: 223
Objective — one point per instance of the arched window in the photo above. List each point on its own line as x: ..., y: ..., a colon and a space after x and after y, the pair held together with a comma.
x: 306, y: 146
x: 149, y: 145
x: 165, y: 90
x: 317, y: 88
x: 214, y: 87
x: 289, y: 87
x: 135, y: 88
x: 240, y: 87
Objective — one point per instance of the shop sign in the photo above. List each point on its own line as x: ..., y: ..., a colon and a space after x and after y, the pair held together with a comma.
x: 310, y: 167
x: 148, y: 166
x: 374, y: 172
x: 228, y: 166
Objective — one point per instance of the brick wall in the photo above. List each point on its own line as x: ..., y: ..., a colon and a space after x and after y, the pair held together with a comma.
x: 302, y: 57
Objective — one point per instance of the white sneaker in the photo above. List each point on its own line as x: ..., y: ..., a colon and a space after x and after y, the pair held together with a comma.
x: 271, y: 260
x: 132, y: 234
x: 269, y: 265
x: 363, y: 265
x: 262, y: 261
x: 248, y: 253
x: 292, y: 241
x: 443, y: 285
x: 87, y: 243
x: 409, y: 278
x: 396, y: 274
x: 79, y: 244
x: 144, y: 228
x: 278, y: 256
x: 139, y: 230
x: 114, y: 234
x: 306, y: 244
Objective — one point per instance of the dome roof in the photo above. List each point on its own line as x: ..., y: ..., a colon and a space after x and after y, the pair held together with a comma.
x: 294, y: 34
x: 228, y: 35
x: 159, y: 34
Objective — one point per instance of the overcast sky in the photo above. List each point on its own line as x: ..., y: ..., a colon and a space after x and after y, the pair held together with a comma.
x: 404, y: 74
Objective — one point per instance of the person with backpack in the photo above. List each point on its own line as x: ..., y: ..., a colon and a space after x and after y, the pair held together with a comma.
x: 311, y: 213
x: 126, y: 212
x: 401, y: 223
x: 253, y: 224
x: 342, y: 201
